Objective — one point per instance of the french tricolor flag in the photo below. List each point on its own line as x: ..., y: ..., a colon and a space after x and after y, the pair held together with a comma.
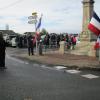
x: 94, y: 24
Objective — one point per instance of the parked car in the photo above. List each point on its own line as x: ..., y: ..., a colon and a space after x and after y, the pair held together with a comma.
x: 13, y: 42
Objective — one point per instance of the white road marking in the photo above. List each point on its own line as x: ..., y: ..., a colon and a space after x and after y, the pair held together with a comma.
x: 44, y: 66
x: 35, y: 64
x: 59, y: 67
x: 73, y: 71
x: 90, y: 76
x: 26, y: 63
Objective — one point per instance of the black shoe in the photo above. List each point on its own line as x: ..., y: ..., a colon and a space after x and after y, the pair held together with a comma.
x: 3, y: 67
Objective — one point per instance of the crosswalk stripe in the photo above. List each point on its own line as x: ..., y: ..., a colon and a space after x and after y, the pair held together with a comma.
x: 26, y: 62
x: 73, y: 71
x: 35, y: 64
x: 90, y: 76
x: 44, y: 66
x: 59, y: 67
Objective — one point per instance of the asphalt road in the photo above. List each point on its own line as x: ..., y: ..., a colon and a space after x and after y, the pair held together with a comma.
x: 25, y: 80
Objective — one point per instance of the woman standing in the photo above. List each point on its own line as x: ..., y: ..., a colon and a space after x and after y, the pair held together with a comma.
x: 2, y: 51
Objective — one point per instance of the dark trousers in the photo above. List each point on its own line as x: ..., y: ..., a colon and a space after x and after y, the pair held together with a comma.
x: 2, y: 60
x: 30, y: 51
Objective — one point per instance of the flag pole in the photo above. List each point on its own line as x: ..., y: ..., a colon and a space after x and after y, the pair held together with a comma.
x: 36, y: 40
x: 35, y: 14
x: 99, y: 52
x: 36, y: 28
x: 99, y: 48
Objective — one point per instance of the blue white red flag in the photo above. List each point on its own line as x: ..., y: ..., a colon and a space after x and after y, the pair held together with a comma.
x: 39, y: 23
x: 94, y: 24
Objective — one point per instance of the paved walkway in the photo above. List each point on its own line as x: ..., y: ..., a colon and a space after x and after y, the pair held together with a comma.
x: 68, y: 60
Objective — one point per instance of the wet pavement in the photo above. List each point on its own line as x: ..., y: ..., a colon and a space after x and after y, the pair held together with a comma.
x: 28, y: 80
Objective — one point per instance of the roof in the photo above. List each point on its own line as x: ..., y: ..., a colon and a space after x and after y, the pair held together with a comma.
x: 8, y: 32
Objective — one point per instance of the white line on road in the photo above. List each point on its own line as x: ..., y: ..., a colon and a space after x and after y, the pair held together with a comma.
x: 73, y: 71
x: 59, y: 67
x: 90, y: 76
x: 43, y: 66
x: 26, y: 63
x: 46, y: 67
x: 35, y: 64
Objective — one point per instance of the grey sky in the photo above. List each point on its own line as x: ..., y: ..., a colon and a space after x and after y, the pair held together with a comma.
x: 58, y: 15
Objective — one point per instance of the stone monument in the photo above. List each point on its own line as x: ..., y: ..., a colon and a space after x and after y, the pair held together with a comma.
x: 88, y: 7
x: 86, y: 45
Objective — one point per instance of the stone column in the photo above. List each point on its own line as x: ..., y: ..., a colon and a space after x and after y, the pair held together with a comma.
x: 86, y: 35
x: 85, y: 47
x: 62, y: 47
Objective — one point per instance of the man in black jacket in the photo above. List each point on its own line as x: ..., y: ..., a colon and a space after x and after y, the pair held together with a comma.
x: 2, y: 51
x: 30, y: 45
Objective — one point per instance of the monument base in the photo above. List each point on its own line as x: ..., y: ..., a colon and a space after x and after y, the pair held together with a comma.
x: 87, y: 36
x: 62, y: 49
x: 85, y: 48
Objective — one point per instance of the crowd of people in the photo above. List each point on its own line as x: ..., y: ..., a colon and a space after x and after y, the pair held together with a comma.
x: 29, y: 41
x: 49, y: 41
x: 54, y: 39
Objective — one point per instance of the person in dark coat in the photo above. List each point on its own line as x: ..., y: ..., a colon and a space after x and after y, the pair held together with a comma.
x: 2, y: 51
x: 30, y: 45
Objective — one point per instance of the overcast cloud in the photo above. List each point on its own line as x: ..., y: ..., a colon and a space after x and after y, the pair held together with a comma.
x: 58, y: 15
